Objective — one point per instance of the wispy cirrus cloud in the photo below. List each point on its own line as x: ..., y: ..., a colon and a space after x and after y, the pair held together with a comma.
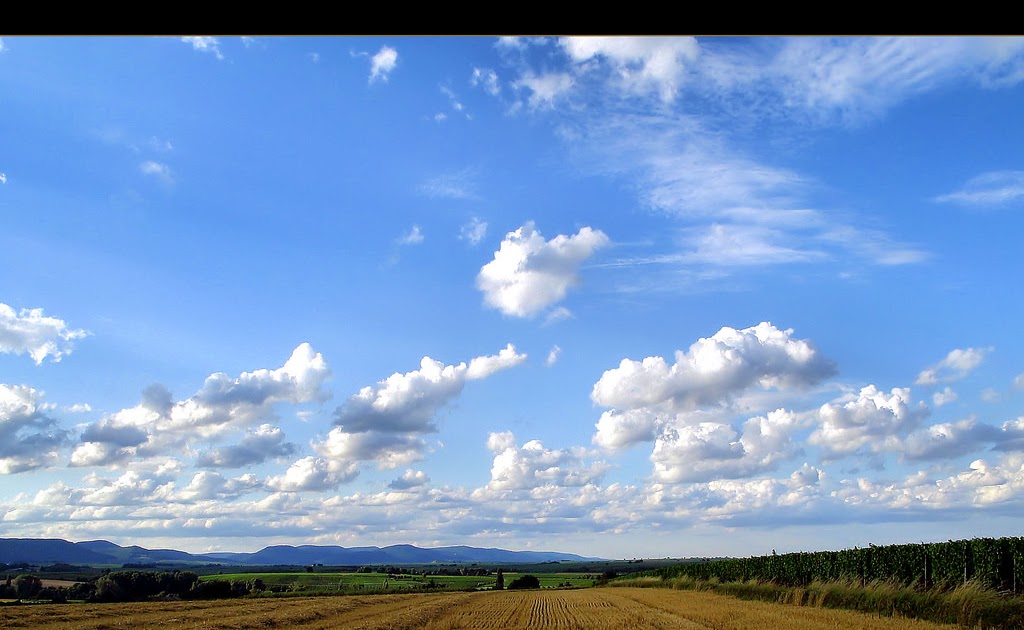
x: 204, y: 44
x: 987, y: 190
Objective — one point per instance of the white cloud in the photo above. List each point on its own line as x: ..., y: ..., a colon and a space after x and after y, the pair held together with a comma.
x: 247, y: 41
x: 408, y: 402
x: 265, y: 442
x: 533, y: 465
x: 221, y: 406
x: 486, y: 78
x: 713, y: 370
x: 545, y: 89
x: 949, y: 439
x: 414, y: 237
x: 29, y: 439
x: 212, y: 486
x: 873, y: 421
x: 313, y: 474
x: 553, y: 356
x: 382, y: 63
x: 1018, y: 381
x: 957, y: 365
x: 410, y: 479
x: 78, y: 408
x: 709, y: 450
x: 205, y: 44
x: 3, y: 178
x: 474, y: 231
x: 388, y: 449
x: 314, y: 57
x: 639, y: 64
x: 745, y: 245
x: 30, y: 332
x: 453, y: 185
x: 998, y: 188
x: 944, y: 397
x: 158, y: 170
x: 3, y: 48
x: 529, y: 274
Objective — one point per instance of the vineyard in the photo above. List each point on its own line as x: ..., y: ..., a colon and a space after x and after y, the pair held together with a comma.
x: 993, y: 563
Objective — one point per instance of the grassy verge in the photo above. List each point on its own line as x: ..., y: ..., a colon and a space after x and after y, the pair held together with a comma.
x: 969, y: 605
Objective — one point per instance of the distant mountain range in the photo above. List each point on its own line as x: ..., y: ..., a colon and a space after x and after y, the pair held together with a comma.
x: 48, y: 551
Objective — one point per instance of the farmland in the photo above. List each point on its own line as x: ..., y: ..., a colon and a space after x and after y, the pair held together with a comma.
x: 348, y: 581
x: 599, y: 608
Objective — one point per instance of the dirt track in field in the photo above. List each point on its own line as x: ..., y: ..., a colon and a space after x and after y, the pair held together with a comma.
x: 584, y: 609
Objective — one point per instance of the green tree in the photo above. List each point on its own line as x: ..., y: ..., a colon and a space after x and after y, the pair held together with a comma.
x: 525, y: 581
x: 499, y: 582
x: 27, y: 586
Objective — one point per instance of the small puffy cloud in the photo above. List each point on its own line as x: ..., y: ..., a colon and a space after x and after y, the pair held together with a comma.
x: 209, y: 486
x: 998, y: 188
x: 3, y: 178
x: 957, y: 364
x: 30, y: 332
x: 474, y: 231
x: 78, y: 408
x: 944, y: 397
x: 713, y: 370
x: 408, y: 402
x: 29, y: 439
x: 382, y: 63
x: 619, y: 429
x: 873, y: 421
x: 413, y: 237
x: 1018, y: 381
x: 544, y: 89
x: 313, y: 474
x: 533, y: 465
x: 638, y: 64
x: 529, y: 274
x: 205, y: 44
x: 266, y: 442
x: 487, y: 79
x: 553, y: 356
x: 158, y: 170
x: 410, y: 479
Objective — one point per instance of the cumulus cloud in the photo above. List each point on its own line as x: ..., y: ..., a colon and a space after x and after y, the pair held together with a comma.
x: 384, y: 422
x: 410, y: 479
x: 529, y: 274
x: 949, y: 439
x: 313, y: 474
x: 873, y: 421
x: 944, y: 397
x: 222, y: 405
x: 998, y: 188
x: 30, y: 332
x: 957, y: 365
x: 408, y: 402
x: 533, y: 465
x: 710, y: 450
x: 210, y: 486
x: 638, y: 64
x: 382, y: 63
x: 29, y: 439
x: 265, y: 442
x: 713, y: 370
x: 473, y: 231
x: 205, y: 44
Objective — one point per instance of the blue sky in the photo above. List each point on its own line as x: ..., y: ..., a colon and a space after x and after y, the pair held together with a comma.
x: 625, y: 297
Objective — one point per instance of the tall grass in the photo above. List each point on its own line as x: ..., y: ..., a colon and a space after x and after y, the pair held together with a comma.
x: 969, y: 605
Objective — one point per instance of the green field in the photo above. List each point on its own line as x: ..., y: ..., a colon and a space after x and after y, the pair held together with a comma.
x: 309, y: 583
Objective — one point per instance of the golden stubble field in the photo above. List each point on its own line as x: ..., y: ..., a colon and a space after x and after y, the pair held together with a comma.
x: 584, y: 609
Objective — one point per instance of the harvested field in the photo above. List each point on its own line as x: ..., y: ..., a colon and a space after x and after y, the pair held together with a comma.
x: 589, y: 609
